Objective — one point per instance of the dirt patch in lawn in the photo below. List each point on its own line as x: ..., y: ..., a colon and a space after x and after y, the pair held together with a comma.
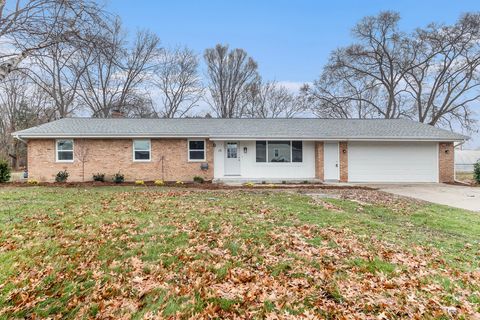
x: 371, y: 197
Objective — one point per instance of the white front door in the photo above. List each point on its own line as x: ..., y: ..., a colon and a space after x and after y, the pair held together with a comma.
x: 232, y: 158
x: 330, y: 160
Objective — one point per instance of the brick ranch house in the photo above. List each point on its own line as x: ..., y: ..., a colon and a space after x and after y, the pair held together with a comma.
x: 346, y: 150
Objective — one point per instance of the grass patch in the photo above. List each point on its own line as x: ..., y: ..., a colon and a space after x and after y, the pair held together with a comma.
x: 147, y: 252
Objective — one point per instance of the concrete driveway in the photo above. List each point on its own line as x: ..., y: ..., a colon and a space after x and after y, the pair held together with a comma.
x: 451, y: 195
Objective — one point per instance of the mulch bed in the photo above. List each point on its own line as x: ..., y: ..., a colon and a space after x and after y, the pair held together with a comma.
x: 207, y: 185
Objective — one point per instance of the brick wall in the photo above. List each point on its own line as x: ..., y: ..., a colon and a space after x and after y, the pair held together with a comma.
x: 113, y: 155
x: 319, y: 164
x: 343, y: 145
x: 446, y: 165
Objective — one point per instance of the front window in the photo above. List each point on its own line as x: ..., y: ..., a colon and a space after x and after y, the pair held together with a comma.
x: 279, y: 151
x: 196, y: 150
x: 65, y: 150
x: 141, y: 150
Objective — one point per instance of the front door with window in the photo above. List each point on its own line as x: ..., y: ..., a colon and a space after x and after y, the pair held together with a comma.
x: 232, y: 158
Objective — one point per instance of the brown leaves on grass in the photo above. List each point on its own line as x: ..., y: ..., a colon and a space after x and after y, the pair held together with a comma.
x: 234, y: 263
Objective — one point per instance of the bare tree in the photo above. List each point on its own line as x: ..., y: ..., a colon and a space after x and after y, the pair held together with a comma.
x: 376, y: 65
x: 271, y: 100
x: 32, y: 25
x: 445, y: 79
x: 58, y: 70
x: 81, y: 154
x: 431, y: 75
x: 230, y: 73
x: 178, y: 80
x: 116, y: 78
x: 22, y: 105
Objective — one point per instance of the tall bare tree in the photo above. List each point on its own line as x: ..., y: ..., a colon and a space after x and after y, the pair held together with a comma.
x: 272, y: 100
x: 445, y: 80
x: 116, y: 79
x: 31, y: 25
x: 178, y: 80
x: 431, y: 75
x: 230, y: 74
x: 366, y: 78
x: 22, y: 105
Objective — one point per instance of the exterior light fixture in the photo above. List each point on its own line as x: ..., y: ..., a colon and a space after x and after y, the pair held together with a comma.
x: 245, y: 149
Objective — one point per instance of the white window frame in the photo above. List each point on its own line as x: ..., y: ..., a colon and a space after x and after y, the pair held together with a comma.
x: 56, y: 150
x: 149, y: 150
x: 291, y: 152
x: 204, y: 151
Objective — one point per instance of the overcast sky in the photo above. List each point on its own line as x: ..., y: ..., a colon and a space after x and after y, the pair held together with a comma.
x: 290, y: 40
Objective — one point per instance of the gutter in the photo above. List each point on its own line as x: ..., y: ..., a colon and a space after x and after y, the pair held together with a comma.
x: 235, y: 137
x: 16, y: 136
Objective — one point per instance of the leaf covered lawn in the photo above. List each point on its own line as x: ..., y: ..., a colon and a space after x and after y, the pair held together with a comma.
x: 154, y: 253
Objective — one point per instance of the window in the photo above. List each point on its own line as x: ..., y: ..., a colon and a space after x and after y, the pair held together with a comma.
x: 279, y: 151
x: 64, y: 150
x: 196, y: 150
x: 232, y: 150
x: 141, y: 150
x: 297, y: 151
x: 261, y: 151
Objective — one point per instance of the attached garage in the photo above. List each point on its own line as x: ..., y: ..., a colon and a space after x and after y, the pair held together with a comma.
x: 393, y: 161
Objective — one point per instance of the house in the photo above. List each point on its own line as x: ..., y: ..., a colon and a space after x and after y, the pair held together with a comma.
x: 465, y: 160
x: 347, y: 150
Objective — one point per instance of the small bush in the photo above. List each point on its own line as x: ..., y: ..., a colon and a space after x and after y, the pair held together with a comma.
x: 140, y: 182
x: 32, y: 181
x: 159, y: 182
x: 476, y: 172
x: 5, y: 171
x: 306, y: 182
x: 118, y: 177
x: 198, y: 179
x: 99, y: 177
x: 249, y: 184
x: 180, y: 183
x: 284, y: 182
x: 62, y: 176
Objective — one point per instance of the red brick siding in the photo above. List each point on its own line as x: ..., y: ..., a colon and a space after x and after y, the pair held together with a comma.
x: 113, y: 155
x: 319, y: 164
x: 446, y: 164
x: 343, y: 146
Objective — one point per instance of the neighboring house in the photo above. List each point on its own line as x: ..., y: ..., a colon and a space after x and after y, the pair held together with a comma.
x: 242, y: 149
x: 465, y: 159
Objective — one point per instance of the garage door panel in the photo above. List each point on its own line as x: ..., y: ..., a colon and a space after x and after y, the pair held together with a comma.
x: 392, y: 162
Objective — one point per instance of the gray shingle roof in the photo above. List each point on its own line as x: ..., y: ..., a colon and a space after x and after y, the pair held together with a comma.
x: 242, y: 129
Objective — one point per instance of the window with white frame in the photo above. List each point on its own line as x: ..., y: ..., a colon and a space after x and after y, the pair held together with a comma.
x: 279, y: 151
x: 141, y: 150
x: 196, y: 150
x: 64, y: 150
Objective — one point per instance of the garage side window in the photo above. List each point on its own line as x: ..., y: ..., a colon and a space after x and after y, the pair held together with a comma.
x: 196, y: 150
x: 141, y: 150
x: 64, y: 150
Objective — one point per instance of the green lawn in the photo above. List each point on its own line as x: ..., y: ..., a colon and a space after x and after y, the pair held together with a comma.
x: 137, y: 252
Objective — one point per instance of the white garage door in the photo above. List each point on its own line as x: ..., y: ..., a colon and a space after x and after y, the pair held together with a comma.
x: 392, y: 162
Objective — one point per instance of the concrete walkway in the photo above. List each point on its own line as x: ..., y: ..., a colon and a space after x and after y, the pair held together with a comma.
x: 462, y: 197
